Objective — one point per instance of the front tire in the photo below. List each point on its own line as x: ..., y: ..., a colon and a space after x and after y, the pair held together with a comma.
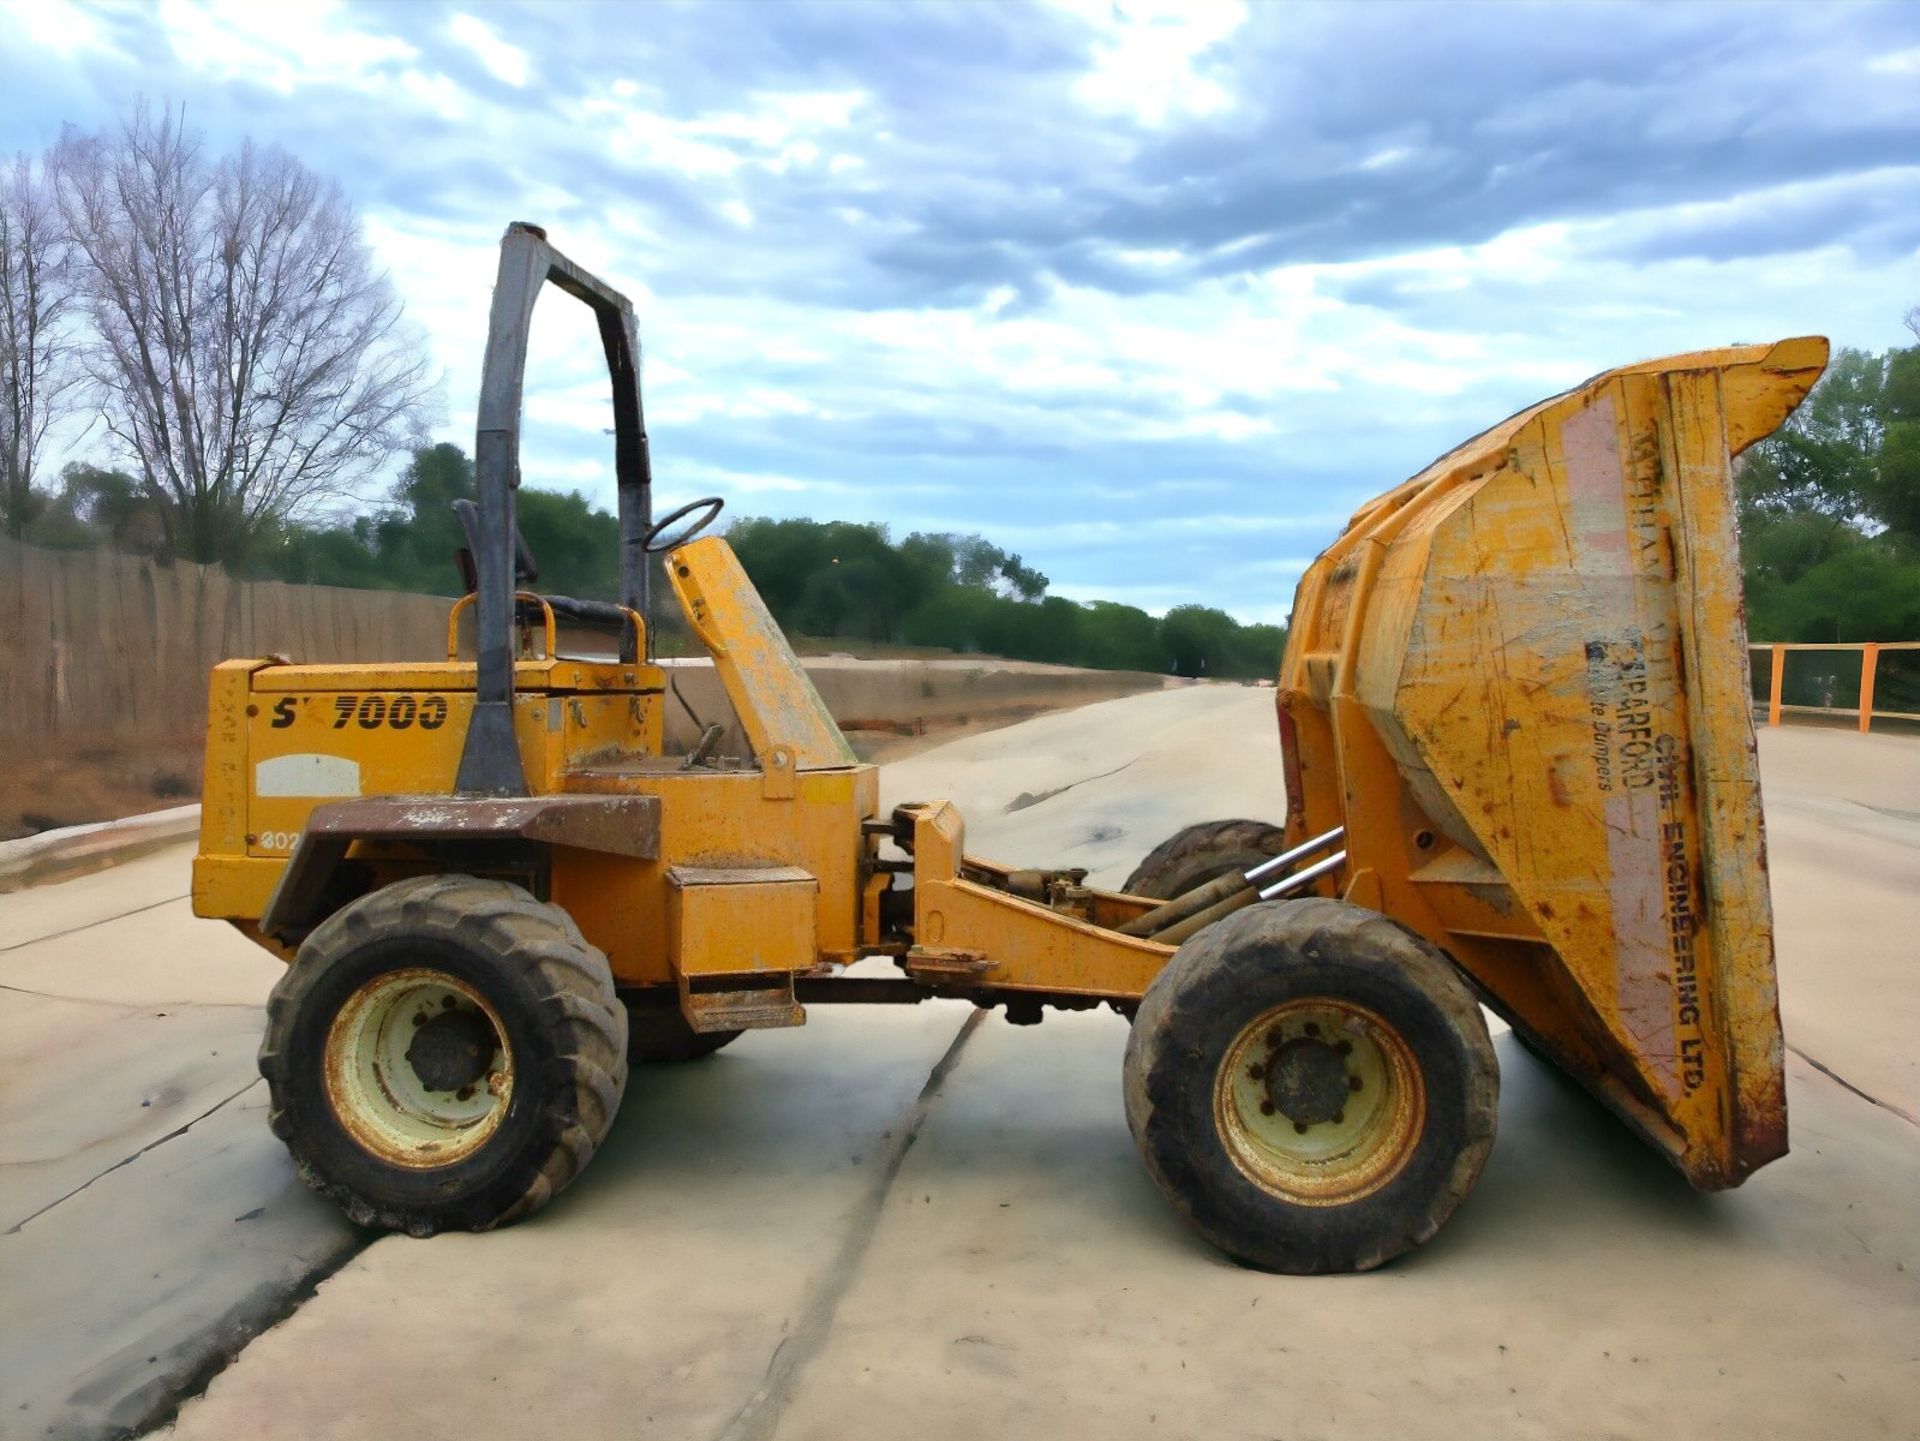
x: 445, y: 1053
x: 1312, y: 1086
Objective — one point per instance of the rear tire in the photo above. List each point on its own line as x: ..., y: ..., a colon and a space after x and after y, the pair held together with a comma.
x: 660, y: 1034
x: 1203, y: 853
x: 446, y: 1053
x: 1312, y: 1086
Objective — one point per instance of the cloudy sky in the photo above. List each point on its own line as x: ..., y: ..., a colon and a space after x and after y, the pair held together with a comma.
x: 1154, y: 294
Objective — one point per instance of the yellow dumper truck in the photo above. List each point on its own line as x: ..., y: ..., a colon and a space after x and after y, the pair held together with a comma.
x: 1519, y: 760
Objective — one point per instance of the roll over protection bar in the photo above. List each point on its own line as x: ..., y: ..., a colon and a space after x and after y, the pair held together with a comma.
x: 490, y: 760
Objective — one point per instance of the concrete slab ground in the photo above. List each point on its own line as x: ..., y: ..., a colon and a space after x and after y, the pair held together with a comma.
x: 1843, y: 832
x: 923, y: 1221
x: 149, y: 1222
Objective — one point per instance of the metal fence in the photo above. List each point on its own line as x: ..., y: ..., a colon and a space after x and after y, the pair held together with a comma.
x: 1867, y: 680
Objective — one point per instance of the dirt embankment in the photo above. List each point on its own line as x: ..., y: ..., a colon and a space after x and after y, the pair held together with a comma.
x: 71, y: 784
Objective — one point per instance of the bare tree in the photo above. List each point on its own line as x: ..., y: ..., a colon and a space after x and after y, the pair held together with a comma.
x: 37, y: 370
x: 246, y: 355
x: 1912, y: 320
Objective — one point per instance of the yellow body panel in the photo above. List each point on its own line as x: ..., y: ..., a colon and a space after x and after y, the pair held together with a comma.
x: 967, y: 931
x: 775, y: 701
x: 320, y: 732
x: 741, y: 920
x: 285, y: 738
x: 1519, y: 681
x: 715, y: 821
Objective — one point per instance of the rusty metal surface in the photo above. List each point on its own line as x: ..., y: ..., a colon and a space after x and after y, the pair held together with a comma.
x: 627, y: 826
x: 966, y: 927
x: 617, y: 825
x: 396, y: 1105
x: 1520, y: 680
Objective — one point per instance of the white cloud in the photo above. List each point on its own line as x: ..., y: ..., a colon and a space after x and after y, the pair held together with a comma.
x: 777, y: 132
x: 1044, y: 303
x: 434, y: 91
x: 506, y: 63
x: 282, y: 46
x: 1148, y: 59
x: 57, y: 25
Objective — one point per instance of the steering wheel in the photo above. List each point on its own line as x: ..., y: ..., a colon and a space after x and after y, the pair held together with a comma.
x: 651, y: 542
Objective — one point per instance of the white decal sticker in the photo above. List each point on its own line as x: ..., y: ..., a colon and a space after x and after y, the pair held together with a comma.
x: 308, y: 775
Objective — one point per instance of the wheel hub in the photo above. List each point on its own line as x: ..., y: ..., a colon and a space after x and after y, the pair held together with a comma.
x: 451, y: 1050
x: 1307, y: 1081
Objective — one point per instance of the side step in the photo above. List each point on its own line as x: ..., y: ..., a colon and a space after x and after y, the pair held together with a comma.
x: 750, y: 1003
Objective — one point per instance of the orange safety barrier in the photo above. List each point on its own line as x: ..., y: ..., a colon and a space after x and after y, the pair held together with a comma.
x: 1826, y: 692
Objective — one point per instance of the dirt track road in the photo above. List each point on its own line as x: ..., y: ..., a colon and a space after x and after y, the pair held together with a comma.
x: 908, y: 1222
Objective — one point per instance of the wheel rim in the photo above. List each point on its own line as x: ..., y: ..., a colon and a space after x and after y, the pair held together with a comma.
x: 418, y: 1069
x: 1319, y: 1102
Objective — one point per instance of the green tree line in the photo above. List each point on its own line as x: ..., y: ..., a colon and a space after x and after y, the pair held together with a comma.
x: 1830, y: 508
x: 822, y: 579
x: 963, y: 593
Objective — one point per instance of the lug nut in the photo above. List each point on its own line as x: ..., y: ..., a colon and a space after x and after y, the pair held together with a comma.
x: 1274, y: 1038
x: 1256, y: 1071
x: 447, y: 1003
x: 1338, y: 1117
x: 1266, y: 1108
x: 1300, y: 1127
x: 420, y: 1019
x: 1345, y: 1048
x: 1313, y: 1028
x: 465, y: 1093
x: 1353, y: 1083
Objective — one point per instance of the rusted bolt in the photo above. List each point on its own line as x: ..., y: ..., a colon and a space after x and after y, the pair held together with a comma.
x: 1300, y: 1127
x: 1353, y: 1083
x: 465, y: 1093
x: 496, y: 1082
x: 253, y: 710
x: 1256, y: 1071
x: 1266, y: 1108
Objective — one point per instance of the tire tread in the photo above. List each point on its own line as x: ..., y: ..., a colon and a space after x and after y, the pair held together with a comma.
x: 576, y: 992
